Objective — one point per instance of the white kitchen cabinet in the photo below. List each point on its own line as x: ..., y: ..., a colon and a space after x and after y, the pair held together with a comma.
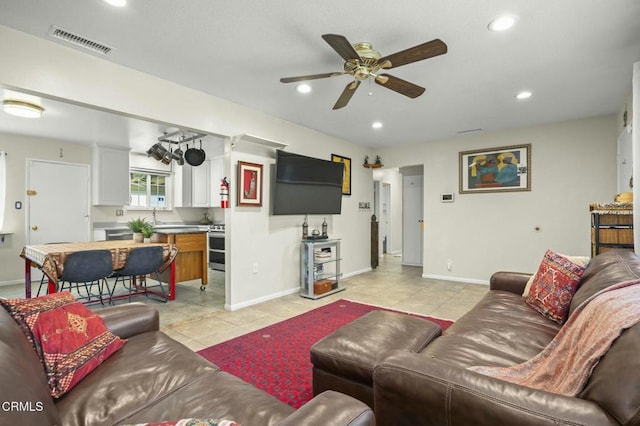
x: 110, y: 176
x: 196, y: 185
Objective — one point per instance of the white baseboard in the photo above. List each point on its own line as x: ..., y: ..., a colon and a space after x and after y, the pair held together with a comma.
x: 5, y: 283
x: 262, y: 299
x: 456, y: 279
x: 361, y: 271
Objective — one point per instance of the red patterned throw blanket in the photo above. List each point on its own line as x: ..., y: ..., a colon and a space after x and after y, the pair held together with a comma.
x: 564, y: 366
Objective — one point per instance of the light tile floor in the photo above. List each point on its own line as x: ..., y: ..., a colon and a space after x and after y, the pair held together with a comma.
x: 198, y: 319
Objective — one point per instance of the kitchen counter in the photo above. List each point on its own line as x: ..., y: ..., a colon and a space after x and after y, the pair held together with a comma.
x: 180, y: 230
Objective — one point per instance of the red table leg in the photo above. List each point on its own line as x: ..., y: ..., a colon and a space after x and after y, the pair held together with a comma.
x: 172, y: 281
x: 27, y: 279
x: 51, y: 287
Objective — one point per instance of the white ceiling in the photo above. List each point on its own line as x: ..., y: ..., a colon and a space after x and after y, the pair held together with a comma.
x: 575, y: 56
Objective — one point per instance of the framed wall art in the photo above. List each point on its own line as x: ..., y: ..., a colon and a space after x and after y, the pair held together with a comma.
x: 346, y: 178
x: 249, y: 184
x: 503, y: 169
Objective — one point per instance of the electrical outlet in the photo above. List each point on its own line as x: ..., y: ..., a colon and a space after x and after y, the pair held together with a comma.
x: 255, y: 268
x: 119, y: 212
x: 449, y: 264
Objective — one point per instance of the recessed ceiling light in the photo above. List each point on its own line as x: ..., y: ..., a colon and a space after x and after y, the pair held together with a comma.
x: 22, y: 109
x: 376, y: 125
x: 525, y: 94
x: 502, y: 23
x: 303, y: 88
x: 117, y: 3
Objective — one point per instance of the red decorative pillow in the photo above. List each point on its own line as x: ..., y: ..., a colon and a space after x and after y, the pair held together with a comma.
x: 553, y: 286
x: 70, y: 339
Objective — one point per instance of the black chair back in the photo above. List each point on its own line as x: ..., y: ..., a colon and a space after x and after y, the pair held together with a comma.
x: 87, y: 266
x: 142, y: 261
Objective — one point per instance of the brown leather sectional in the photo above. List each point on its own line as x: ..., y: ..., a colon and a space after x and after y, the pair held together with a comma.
x: 411, y: 375
x: 152, y: 378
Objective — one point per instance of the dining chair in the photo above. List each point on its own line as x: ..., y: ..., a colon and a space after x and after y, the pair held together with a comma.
x: 87, y: 267
x: 162, y: 272
x: 141, y: 262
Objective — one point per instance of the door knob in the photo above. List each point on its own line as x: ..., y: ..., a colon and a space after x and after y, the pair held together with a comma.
x: 34, y: 227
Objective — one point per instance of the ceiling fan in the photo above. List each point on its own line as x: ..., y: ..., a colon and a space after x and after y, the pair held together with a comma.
x: 362, y: 61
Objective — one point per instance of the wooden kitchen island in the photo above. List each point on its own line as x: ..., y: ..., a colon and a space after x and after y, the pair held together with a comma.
x: 192, y: 260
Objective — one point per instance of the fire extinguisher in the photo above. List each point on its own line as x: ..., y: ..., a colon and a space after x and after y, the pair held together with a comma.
x: 224, y: 194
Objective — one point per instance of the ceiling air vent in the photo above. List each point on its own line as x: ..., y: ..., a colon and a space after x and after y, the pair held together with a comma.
x: 78, y: 40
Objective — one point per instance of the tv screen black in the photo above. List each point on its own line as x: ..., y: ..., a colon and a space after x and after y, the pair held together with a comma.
x: 306, y: 185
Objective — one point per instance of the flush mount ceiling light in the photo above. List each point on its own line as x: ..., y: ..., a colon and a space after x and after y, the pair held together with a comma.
x: 502, y: 23
x: 303, y: 88
x: 525, y: 94
x: 22, y: 109
x: 376, y: 125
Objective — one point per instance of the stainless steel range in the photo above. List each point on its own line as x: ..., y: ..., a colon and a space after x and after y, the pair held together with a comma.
x: 216, y: 246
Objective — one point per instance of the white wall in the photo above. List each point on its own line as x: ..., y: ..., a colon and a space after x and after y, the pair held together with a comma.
x: 273, y: 242
x: 573, y: 164
x: 45, y: 68
x: 633, y: 120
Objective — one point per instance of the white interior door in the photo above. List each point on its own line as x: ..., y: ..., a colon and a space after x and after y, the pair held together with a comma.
x: 57, y: 202
x: 625, y: 161
x: 412, y: 220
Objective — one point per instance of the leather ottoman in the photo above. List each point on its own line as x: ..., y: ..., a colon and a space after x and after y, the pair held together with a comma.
x: 344, y: 360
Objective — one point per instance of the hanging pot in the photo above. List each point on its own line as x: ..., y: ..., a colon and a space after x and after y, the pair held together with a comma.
x: 157, y: 151
x: 194, y: 156
x: 178, y: 155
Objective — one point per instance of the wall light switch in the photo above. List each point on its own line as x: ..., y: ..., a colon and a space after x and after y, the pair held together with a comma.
x: 446, y: 197
x: 18, y: 205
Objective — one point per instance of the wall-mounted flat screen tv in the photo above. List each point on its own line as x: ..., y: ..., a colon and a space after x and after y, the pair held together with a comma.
x: 306, y: 185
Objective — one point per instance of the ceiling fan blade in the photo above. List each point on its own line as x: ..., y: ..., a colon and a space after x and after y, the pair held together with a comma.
x: 342, y: 46
x: 309, y: 77
x: 399, y: 85
x: 414, y: 54
x: 346, y: 95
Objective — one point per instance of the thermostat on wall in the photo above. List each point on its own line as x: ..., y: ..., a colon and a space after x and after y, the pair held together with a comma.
x: 446, y: 197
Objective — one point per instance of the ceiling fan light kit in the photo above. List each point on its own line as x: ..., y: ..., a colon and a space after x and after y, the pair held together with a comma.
x: 22, y: 109
x: 362, y: 61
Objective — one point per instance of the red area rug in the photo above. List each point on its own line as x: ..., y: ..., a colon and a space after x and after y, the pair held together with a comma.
x: 276, y: 358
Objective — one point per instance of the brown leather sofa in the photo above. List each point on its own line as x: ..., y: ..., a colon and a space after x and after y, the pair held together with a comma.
x: 152, y: 378
x: 434, y: 387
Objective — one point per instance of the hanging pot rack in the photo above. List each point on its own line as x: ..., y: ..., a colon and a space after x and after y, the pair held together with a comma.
x: 180, y: 136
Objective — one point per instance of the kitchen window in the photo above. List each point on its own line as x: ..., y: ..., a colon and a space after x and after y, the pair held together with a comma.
x: 149, y: 189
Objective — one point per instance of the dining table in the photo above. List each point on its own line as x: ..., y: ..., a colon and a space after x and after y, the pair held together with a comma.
x: 50, y: 259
